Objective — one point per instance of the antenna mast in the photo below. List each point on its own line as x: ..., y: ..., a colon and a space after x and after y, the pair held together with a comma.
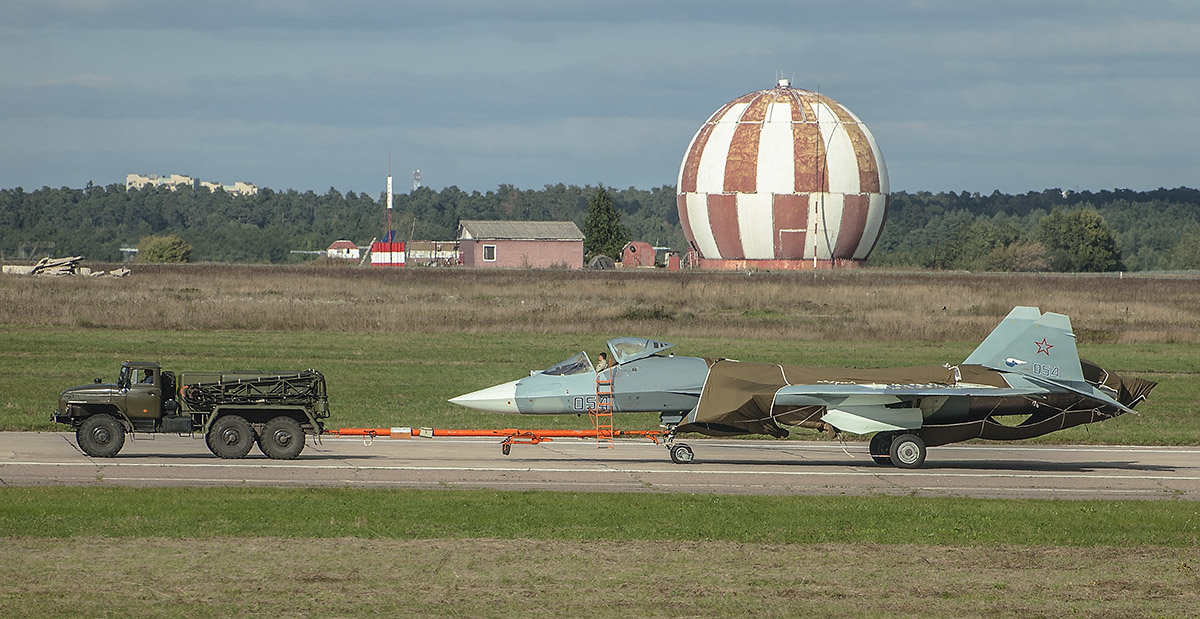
x: 389, y: 199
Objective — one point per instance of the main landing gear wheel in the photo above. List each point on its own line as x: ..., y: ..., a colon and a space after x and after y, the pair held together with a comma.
x: 100, y: 436
x: 908, y: 451
x: 681, y: 453
x: 230, y: 437
x: 282, y: 438
x: 880, y: 448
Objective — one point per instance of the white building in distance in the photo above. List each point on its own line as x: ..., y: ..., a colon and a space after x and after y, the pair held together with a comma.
x: 173, y: 181
x: 343, y: 249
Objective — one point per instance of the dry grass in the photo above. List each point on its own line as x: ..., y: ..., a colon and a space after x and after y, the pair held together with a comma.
x: 838, y: 305
x: 488, y: 577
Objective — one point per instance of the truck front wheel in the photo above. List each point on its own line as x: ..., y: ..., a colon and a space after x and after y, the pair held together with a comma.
x: 282, y: 438
x: 100, y: 436
x: 230, y: 437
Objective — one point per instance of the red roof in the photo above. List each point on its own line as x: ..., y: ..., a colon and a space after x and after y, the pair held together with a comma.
x: 343, y: 245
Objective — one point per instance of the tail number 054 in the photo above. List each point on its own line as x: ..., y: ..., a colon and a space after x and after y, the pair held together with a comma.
x: 583, y: 403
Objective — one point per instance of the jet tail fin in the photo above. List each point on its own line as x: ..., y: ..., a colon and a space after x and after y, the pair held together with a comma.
x: 1032, y: 343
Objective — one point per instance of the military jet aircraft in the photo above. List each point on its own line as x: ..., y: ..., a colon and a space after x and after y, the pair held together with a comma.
x: 1025, y: 380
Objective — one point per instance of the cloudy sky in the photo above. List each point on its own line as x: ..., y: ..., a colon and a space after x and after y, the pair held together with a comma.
x: 960, y: 95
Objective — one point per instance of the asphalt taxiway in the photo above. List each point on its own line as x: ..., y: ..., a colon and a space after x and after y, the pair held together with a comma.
x: 1011, y: 470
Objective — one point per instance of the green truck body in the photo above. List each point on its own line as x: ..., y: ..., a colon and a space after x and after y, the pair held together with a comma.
x: 232, y: 410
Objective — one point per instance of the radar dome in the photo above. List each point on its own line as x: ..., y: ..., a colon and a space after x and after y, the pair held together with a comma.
x: 779, y: 178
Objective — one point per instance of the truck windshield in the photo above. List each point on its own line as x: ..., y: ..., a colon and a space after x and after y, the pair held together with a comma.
x: 575, y: 365
x: 123, y: 379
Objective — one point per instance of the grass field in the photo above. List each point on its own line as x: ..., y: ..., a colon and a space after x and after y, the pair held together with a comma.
x: 482, y: 553
x: 395, y: 345
x: 403, y: 378
x: 200, y: 513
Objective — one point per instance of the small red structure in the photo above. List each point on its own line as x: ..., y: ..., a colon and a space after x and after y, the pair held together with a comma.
x: 637, y: 254
x: 387, y: 254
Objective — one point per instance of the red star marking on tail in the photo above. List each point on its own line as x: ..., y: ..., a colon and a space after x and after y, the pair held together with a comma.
x: 1044, y: 346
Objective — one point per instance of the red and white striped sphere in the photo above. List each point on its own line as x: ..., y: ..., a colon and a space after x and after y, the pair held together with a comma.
x: 783, y: 174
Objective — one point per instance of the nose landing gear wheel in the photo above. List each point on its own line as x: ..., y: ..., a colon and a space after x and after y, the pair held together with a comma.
x: 681, y: 453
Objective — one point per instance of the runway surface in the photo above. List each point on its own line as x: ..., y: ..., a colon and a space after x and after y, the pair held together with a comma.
x: 1012, y: 470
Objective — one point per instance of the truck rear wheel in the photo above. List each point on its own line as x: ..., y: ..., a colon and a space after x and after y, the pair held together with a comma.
x: 282, y: 438
x: 100, y: 436
x: 230, y: 437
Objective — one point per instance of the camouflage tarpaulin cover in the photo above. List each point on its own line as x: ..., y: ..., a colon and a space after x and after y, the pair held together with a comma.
x: 740, y: 398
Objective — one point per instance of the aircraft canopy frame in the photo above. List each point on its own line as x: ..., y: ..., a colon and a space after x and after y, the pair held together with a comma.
x: 576, y: 364
x: 626, y: 349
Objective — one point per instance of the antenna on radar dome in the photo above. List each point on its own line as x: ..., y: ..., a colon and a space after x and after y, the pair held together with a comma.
x: 822, y: 172
x: 820, y: 176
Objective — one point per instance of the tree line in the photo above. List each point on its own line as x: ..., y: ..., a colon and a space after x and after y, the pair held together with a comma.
x: 1036, y: 231
x: 1051, y: 230
x: 96, y: 222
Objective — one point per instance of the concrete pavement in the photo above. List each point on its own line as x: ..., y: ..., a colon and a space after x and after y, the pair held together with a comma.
x: 1012, y: 470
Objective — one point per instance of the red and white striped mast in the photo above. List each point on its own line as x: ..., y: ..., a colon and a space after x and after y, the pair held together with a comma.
x: 389, y: 201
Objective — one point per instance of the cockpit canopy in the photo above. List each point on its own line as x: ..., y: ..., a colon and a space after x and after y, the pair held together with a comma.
x: 622, y: 349
x: 626, y: 349
x: 575, y: 365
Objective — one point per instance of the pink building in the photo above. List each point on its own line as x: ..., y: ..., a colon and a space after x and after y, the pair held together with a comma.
x: 520, y: 244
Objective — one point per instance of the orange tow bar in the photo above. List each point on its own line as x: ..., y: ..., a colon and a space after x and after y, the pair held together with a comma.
x: 508, y: 436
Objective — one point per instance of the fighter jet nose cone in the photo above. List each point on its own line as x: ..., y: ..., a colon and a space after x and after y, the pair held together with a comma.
x: 495, y: 399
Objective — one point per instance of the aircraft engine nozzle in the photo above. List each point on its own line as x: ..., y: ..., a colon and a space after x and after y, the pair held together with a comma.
x: 495, y: 399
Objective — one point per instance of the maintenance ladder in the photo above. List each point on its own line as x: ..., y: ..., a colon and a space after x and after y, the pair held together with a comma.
x: 601, y: 413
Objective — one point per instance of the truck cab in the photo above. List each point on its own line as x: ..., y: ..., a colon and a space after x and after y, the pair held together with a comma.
x: 141, y: 386
x: 137, y: 398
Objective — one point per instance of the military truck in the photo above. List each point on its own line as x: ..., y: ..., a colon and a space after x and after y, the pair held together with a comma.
x: 232, y: 410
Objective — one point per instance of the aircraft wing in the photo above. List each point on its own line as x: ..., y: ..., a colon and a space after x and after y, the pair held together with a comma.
x: 867, y: 408
x: 830, y: 392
